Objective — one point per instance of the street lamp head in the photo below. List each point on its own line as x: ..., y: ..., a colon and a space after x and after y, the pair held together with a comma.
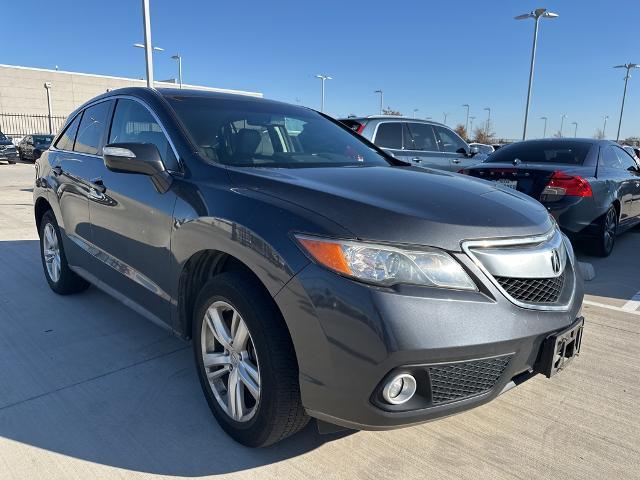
x: 176, y: 57
x: 544, y: 118
x: 48, y: 85
x: 324, y: 77
x: 377, y: 91
x: 139, y: 45
x: 466, y: 105
x: 142, y: 45
x: 536, y: 14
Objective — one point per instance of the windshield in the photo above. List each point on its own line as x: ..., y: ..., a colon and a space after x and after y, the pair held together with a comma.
x: 250, y: 133
x: 545, y: 151
x: 43, y: 138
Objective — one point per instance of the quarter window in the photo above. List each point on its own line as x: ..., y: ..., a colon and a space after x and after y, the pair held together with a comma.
x: 133, y: 123
x: 92, y: 127
x: 389, y: 135
x: 65, y: 142
x: 449, y: 141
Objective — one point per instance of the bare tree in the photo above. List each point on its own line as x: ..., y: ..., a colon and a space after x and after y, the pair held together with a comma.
x: 484, y: 134
x: 460, y: 130
x: 599, y: 134
x: 391, y: 111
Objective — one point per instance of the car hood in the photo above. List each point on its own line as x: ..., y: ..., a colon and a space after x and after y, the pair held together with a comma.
x: 402, y: 204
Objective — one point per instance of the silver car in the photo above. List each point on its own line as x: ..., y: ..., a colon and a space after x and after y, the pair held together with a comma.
x: 421, y: 142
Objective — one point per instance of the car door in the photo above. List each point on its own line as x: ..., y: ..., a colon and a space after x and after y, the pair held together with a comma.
x: 421, y: 146
x: 619, y: 181
x: 453, y: 148
x: 389, y: 136
x: 629, y: 168
x: 73, y: 161
x: 131, y: 222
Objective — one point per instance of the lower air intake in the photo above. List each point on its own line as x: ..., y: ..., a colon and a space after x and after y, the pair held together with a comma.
x: 456, y: 381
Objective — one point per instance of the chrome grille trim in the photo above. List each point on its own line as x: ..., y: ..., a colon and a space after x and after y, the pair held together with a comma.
x: 535, y: 243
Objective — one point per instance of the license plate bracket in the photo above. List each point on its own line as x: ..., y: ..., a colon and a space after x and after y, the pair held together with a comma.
x: 560, y: 348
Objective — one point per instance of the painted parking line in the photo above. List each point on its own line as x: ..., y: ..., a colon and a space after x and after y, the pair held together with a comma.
x: 633, y: 304
x: 610, y: 307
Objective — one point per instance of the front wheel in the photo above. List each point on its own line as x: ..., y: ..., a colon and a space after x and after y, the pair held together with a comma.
x: 246, y: 362
x: 607, y: 230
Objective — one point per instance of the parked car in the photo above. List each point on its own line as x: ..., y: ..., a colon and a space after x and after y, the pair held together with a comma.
x: 32, y: 146
x: 592, y: 187
x: 632, y: 151
x: 7, y: 150
x: 483, y: 149
x: 316, y: 275
x: 422, y: 143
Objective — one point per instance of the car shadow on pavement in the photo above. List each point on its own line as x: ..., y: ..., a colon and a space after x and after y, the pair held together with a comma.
x: 86, y: 377
x: 616, y: 277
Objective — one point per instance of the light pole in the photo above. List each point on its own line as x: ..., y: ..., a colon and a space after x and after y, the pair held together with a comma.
x: 466, y: 123
x: 472, y: 118
x: 47, y: 86
x: 537, y: 14
x: 486, y: 130
x: 604, y: 127
x: 562, y: 123
x: 415, y: 112
x: 575, y: 130
x: 178, y: 57
x: 445, y: 115
x: 628, y: 66
x: 322, y: 80
x: 381, y: 100
x: 544, y: 132
x: 148, y: 49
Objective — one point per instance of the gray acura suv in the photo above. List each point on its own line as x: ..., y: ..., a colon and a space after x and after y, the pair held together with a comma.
x: 315, y: 275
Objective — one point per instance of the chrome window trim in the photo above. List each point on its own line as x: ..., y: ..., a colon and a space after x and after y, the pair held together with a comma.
x: 467, y: 246
x: 375, y: 134
x: 141, y: 102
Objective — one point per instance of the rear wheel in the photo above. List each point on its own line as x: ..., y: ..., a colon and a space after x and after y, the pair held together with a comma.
x: 607, y: 230
x: 60, y: 277
x: 246, y: 361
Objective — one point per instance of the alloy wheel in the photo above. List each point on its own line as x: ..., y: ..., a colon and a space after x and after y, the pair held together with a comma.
x: 609, y: 229
x: 51, y: 252
x: 230, y: 361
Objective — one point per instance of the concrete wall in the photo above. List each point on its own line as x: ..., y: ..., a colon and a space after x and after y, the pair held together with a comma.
x: 22, y: 89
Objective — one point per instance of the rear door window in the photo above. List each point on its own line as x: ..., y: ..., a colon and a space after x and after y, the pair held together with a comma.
x: 422, y: 136
x: 389, y: 135
x: 92, y: 129
x: 626, y: 160
x: 65, y: 142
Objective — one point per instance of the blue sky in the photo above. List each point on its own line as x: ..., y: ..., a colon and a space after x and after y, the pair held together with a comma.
x: 433, y: 56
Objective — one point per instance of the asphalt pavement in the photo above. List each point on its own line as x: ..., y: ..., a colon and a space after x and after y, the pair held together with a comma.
x: 89, y: 389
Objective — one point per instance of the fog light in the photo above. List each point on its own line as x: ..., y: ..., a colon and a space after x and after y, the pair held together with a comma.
x: 399, y: 389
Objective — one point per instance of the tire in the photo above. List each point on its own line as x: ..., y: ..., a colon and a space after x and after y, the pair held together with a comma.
x: 65, y: 281
x: 11, y: 162
x: 607, y: 229
x: 277, y: 413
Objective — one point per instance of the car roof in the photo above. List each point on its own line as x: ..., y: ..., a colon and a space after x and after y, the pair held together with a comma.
x: 590, y: 141
x: 399, y: 118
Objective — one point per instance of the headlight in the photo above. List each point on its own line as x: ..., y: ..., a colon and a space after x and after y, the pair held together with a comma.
x: 385, y: 265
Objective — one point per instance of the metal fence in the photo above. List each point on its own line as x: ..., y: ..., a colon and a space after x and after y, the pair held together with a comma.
x: 19, y: 125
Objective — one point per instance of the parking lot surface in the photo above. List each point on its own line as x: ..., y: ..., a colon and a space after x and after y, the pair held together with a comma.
x: 89, y: 389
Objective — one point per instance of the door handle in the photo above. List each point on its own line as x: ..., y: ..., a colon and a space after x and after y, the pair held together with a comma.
x: 57, y: 170
x: 456, y: 160
x: 416, y: 159
x: 98, y: 185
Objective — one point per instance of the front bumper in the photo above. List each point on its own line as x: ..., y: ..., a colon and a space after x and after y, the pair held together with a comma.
x: 8, y: 156
x: 349, y: 337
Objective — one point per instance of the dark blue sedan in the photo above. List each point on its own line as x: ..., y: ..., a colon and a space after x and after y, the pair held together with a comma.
x: 591, y: 187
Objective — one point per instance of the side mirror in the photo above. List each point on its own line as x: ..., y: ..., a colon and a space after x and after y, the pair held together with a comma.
x: 474, y: 150
x: 140, y: 158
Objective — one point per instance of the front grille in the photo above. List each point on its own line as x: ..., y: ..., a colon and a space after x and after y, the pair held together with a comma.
x: 456, y: 381
x: 533, y: 290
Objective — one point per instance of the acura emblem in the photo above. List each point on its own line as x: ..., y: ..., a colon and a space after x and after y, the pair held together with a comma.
x: 555, y: 261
